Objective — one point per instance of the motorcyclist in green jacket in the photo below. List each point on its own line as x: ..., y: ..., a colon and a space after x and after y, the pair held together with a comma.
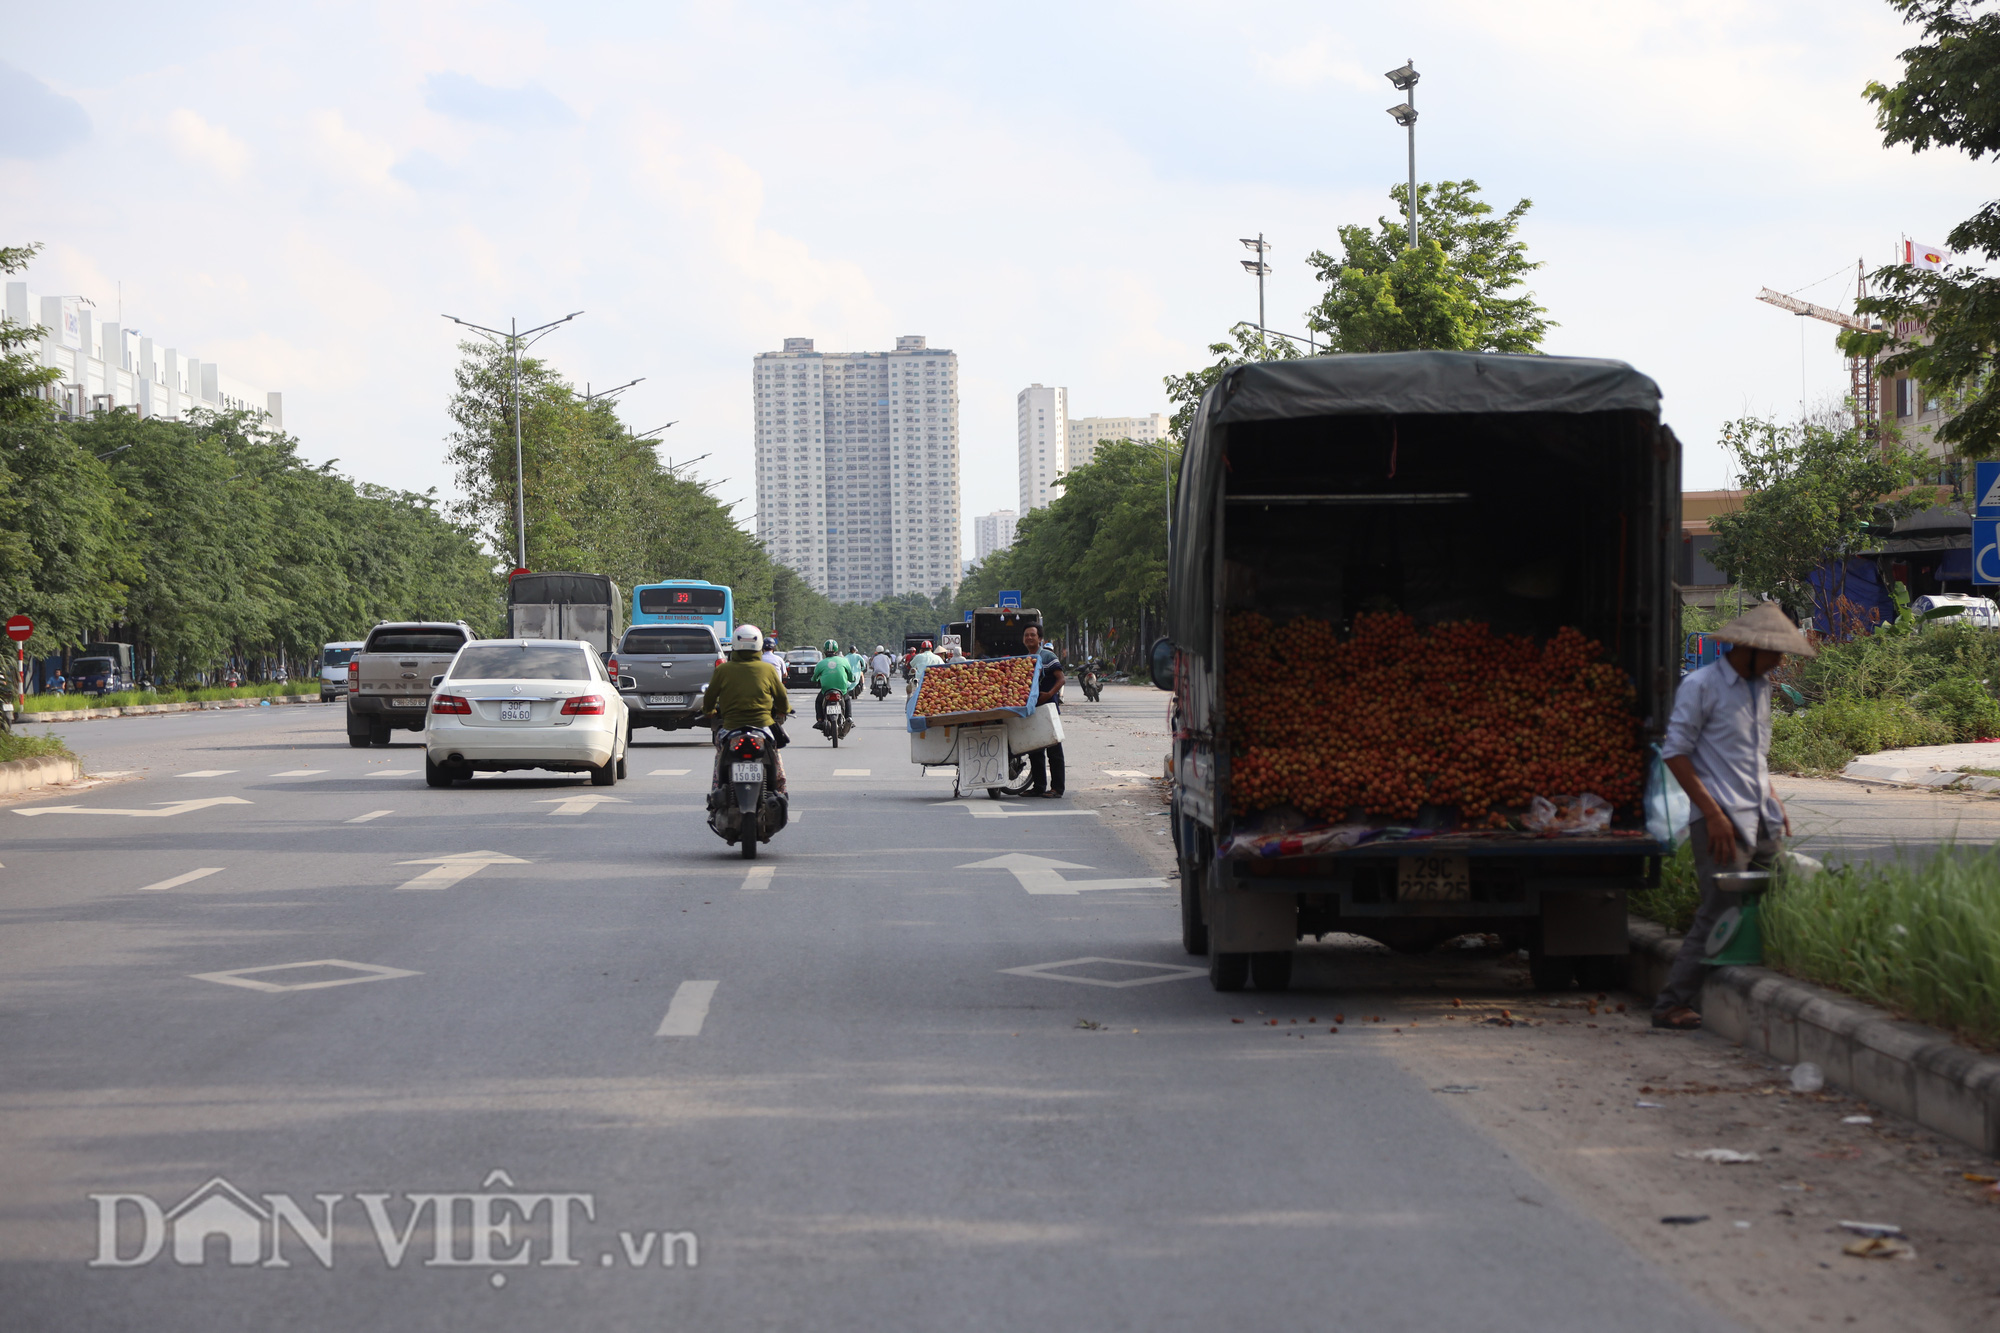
x: 835, y: 673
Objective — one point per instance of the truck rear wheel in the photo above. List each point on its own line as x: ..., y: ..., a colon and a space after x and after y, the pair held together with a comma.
x: 1551, y: 973
x: 1271, y: 970
x: 1228, y: 971
x: 358, y: 742
x: 1604, y: 971
x: 1194, y: 930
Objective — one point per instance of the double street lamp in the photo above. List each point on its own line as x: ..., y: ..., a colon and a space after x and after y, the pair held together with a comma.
x: 515, y: 339
x: 1404, y: 80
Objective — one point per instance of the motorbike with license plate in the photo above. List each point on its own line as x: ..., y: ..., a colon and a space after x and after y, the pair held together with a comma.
x: 744, y: 805
x: 834, y: 718
x: 880, y: 686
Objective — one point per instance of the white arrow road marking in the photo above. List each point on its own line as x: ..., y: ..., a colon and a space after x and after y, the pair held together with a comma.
x: 852, y: 772
x: 759, y: 878
x: 449, y: 870
x: 688, y: 1009
x: 179, y: 880
x: 1155, y: 972
x: 208, y: 773
x: 1042, y: 875
x: 992, y: 809
x: 372, y: 814
x: 172, y: 808
x: 298, y: 773
x: 579, y: 805
x: 668, y: 773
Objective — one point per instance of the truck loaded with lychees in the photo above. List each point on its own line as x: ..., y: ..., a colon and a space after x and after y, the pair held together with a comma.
x: 1422, y: 637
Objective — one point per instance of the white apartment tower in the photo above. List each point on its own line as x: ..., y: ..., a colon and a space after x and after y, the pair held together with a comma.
x: 993, y: 532
x: 1042, y: 425
x: 1086, y: 433
x: 857, y: 467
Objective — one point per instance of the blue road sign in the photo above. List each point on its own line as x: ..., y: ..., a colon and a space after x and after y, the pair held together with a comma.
x: 1014, y: 598
x: 1986, y: 490
x: 1986, y: 549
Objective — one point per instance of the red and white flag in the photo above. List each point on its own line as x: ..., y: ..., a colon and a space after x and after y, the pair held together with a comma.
x: 1932, y: 257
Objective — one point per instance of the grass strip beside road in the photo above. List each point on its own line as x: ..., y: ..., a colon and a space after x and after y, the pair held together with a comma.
x: 1919, y: 936
x: 13, y: 745
x: 56, y: 703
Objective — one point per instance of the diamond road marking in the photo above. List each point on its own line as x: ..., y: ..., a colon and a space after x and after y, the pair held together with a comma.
x: 209, y: 773
x: 852, y: 772
x: 246, y: 976
x: 1164, y: 971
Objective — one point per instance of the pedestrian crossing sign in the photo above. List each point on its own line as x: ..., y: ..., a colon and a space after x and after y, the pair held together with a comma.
x: 1986, y: 486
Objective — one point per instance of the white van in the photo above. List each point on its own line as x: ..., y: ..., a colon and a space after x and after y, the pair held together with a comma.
x: 333, y: 660
x: 1979, y: 611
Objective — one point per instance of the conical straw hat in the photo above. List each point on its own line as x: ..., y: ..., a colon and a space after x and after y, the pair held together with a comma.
x: 1765, y: 626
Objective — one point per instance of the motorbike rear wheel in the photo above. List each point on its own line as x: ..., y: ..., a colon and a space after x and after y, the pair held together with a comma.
x: 750, y: 842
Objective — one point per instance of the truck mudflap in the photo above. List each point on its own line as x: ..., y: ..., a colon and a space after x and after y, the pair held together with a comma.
x: 1245, y: 922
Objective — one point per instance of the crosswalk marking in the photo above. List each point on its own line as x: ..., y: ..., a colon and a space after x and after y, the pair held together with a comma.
x: 179, y: 880
x: 372, y: 814
x: 688, y: 1009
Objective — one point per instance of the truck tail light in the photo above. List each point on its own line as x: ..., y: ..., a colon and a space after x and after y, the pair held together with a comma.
x: 450, y: 703
x: 612, y: 666
x: 583, y: 705
x: 353, y: 673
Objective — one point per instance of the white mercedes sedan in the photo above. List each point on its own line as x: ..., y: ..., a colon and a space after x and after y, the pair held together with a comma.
x: 525, y: 703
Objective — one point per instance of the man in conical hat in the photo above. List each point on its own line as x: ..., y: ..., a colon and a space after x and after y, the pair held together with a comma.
x: 1718, y: 746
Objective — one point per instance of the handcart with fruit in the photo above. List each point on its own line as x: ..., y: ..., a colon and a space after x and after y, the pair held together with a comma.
x: 980, y: 718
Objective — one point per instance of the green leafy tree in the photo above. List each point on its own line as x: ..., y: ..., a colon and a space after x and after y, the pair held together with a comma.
x: 1813, y: 492
x: 1244, y: 346
x: 1948, y: 97
x: 1453, y: 292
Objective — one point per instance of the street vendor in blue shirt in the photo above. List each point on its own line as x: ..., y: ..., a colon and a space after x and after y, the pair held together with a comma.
x: 1718, y: 747
x: 1046, y: 769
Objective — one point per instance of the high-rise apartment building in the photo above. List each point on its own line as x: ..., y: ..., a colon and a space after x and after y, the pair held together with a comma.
x: 1086, y: 433
x: 857, y: 467
x: 1042, y: 421
x: 993, y: 532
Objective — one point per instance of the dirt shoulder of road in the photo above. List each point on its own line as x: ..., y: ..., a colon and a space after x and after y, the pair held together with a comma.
x: 1116, y: 753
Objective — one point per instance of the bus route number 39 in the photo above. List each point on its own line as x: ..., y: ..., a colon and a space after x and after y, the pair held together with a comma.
x: 1433, y: 879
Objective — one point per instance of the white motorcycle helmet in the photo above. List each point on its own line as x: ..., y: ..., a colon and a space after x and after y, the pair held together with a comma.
x: 749, y: 639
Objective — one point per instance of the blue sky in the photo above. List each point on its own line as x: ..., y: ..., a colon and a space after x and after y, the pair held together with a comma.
x: 1054, y: 191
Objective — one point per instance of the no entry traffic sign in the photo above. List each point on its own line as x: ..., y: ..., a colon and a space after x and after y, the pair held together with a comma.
x: 20, y: 628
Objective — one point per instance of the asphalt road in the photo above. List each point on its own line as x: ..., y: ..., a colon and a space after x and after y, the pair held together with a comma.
x: 572, y: 1022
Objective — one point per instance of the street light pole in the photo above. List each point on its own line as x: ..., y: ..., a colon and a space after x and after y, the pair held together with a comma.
x: 1262, y: 270
x: 516, y: 340
x: 1405, y: 81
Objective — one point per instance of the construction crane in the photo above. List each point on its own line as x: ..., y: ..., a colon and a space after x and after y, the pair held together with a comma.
x: 1860, y: 370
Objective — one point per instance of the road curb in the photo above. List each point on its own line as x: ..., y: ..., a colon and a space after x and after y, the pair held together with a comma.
x: 1893, y: 775
x: 149, y: 710
x: 1915, y: 1071
x: 18, y: 775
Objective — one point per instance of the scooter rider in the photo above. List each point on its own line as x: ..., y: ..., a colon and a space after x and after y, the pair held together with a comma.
x: 834, y: 672
x: 882, y: 662
x: 747, y: 691
x: 923, y: 661
x: 860, y: 665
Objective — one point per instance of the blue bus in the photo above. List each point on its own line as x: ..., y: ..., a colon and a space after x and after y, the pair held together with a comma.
x: 686, y: 602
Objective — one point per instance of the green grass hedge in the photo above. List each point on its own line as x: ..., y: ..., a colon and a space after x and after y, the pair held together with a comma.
x: 56, y: 703
x: 14, y: 745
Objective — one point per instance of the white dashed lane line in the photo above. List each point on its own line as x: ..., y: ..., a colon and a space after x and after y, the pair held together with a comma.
x: 668, y: 773
x: 179, y: 880
x: 372, y: 814
x: 299, y: 773
x: 689, y: 1009
x: 759, y: 878
x: 209, y: 773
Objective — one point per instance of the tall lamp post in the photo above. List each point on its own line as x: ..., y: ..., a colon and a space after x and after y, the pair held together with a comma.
x: 1263, y: 271
x: 1405, y: 112
x: 515, y: 339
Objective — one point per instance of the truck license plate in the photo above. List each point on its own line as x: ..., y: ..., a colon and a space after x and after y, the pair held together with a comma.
x: 1433, y: 879
x: 408, y: 703
x: 746, y: 772
x: 667, y: 700
x: 982, y: 757
x: 515, y: 710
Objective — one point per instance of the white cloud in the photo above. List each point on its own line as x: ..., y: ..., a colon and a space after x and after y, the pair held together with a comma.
x: 214, y: 147
x: 355, y: 156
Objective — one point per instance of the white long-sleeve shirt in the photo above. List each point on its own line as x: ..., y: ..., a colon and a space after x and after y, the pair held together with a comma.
x: 1722, y: 723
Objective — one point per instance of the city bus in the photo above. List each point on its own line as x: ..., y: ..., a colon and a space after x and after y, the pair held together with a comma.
x: 686, y: 602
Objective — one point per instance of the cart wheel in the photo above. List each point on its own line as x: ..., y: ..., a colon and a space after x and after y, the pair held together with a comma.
x: 993, y: 793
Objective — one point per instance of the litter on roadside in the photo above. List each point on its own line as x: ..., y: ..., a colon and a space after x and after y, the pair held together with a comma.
x: 1872, y: 1228
x: 1806, y: 1077
x: 1857, y: 1120
x: 1880, y: 1247
x: 1457, y: 1087
x: 1724, y: 1156
x: 1650, y: 1106
x: 1683, y: 1219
